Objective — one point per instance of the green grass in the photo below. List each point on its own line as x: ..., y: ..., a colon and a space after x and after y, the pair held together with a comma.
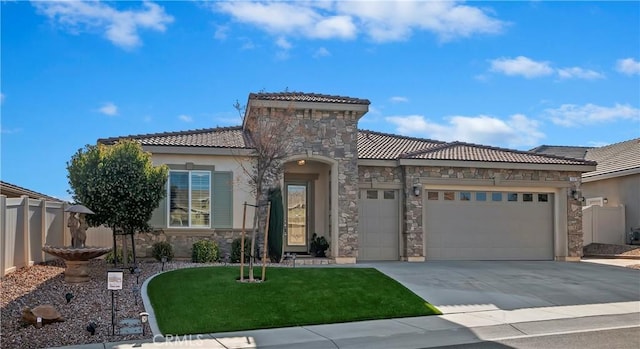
x: 206, y: 300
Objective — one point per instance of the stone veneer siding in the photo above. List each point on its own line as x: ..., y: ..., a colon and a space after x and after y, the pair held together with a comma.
x: 413, y: 237
x: 332, y: 134
x: 182, y: 241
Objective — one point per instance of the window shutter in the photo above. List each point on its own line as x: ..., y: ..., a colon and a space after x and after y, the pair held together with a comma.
x: 159, y: 215
x: 222, y: 199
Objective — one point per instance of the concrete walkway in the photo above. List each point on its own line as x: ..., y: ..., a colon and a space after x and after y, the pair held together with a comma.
x: 482, y: 301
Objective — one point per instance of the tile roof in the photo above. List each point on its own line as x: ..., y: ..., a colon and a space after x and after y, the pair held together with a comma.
x: 615, y: 157
x: 473, y: 152
x: 384, y: 146
x: 219, y: 137
x: 562, y: 150
x: 306, y: 97
x: 12, y: 190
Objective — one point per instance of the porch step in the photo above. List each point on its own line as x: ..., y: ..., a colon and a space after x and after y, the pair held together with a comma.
x: 301, y: 260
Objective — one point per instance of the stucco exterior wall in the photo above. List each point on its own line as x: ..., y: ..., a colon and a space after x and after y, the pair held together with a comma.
x: 623, y: 190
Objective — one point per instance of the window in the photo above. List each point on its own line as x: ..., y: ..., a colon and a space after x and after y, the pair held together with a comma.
x: 543, y: 197
x: 372, y: 194
x: 189, y: 199
x: 465, y: 196
x: 432, y: 195
x: 389, y: 194
x: 449, y: 196
x: 496, y: 196
x: 512, y: 197
x: 527, y: 197
x: 481, y: 196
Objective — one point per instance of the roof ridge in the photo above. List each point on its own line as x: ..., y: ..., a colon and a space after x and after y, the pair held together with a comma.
x: 171, y: 133
x: 286, y: 94
x: 617, y: 143
x: 401, y: 136
x: 562, y: 146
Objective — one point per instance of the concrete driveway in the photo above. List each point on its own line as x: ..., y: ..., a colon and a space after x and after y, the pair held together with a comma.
x: 468, y: 286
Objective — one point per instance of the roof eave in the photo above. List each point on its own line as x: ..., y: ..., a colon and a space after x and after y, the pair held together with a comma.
x: 586, y: 177
x: 497, y: 164
x: 195, y: 150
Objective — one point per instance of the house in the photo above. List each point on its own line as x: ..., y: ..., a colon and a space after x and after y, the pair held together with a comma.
x: 614, y: 183
x: 372, y: 195
x: 14, y: 191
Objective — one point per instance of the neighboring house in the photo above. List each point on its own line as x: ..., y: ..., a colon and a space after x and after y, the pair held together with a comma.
x: 13, y: 191
x: 374, y: 196
x: 615, y: 181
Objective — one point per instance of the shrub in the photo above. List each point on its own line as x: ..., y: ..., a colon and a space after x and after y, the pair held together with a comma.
x: 319, y: 245
x: 204, y: 251
x: 235, y: 250
x: 160, y: 249
x: 116, y: 258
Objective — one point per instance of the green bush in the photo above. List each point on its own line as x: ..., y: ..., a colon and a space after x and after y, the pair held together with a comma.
x: 204, y: 251
x: 160, y: 249
x: 109, y: 258
x: 235, y: 250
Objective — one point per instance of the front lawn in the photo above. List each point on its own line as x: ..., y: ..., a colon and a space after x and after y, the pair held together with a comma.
x: 207, y: 300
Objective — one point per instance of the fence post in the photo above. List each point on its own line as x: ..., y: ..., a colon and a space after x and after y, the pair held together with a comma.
x: 25, y: 230
x: 43, y: 227
x: 3, y: 233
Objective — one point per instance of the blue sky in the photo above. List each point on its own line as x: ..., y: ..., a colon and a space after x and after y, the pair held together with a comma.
x: 511, y: 74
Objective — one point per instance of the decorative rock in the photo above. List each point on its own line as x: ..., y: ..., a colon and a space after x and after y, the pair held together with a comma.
x: 46, y: 313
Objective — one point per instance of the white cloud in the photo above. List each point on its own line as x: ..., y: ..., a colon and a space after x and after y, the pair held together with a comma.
x: 575, y: 115
x: 109, y: 109
x: 10, y: 130
x: 221, y: 32
x: 321, y: 52
x: 399, y: 99
x: 518, y: 130
x: 628, y: 66
x: 118, y: 26
x: 247, y: 44
x: 385, y: 21
x: 381, y: 21
x: 283, y: 43
x: 521, y: 66
x: 579, y: 73
x: 185, y: 118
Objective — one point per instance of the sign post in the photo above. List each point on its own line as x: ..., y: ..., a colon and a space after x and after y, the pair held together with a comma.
x: 114, y: 282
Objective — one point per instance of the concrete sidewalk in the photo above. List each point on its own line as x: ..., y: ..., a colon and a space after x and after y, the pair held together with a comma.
x: 416, y: 332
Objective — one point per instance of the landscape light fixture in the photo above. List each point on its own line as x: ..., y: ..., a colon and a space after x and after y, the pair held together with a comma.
x: 91, y: 327
x: 137, y: 272
x: 68, y: 297
x: 164, y: 260
x: 144, y: 318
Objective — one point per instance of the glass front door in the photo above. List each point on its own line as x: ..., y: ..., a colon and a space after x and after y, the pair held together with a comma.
x: 297, y: 218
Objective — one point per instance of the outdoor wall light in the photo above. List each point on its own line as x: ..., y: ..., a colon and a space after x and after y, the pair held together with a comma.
x: 416, y: 190
x: 144, y: 318
x: 605, y: 200
x: 301, y: 162
x: 91, y: 327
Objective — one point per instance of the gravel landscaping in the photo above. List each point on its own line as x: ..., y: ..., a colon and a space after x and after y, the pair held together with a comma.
x: 44, y: 284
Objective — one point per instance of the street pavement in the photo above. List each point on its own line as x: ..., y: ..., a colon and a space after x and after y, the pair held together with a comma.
x: 481, y: 301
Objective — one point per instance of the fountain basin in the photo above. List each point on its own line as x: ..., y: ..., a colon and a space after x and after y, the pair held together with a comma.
x: 76, y: 260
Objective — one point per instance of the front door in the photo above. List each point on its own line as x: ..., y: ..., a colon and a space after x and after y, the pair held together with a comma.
x: 297, y: 217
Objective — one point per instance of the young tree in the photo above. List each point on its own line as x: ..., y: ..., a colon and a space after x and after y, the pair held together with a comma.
x: 119, y: 183
x: 270, y: 143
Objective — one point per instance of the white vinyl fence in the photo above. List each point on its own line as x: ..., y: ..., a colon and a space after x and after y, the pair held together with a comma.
x: 603, y: 224
x: 26, y: 225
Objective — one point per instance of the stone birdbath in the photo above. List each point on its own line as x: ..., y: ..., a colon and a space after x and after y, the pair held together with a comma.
x: 77, y: 256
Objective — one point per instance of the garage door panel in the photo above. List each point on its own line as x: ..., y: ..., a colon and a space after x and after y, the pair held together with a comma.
x: 488, y: 230
x: 378, y: 227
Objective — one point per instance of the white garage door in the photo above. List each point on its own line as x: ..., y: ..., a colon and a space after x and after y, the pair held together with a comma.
x: 379, y: 224
x: 483, y: 225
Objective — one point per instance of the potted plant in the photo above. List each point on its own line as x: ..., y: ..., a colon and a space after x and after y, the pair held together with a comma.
x: 319, y: 246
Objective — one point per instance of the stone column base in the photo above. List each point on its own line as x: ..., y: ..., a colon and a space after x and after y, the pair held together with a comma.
x: 414, y: 259
x: 76, y: 271
x: 568, y: 259
x: 345, y: 260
